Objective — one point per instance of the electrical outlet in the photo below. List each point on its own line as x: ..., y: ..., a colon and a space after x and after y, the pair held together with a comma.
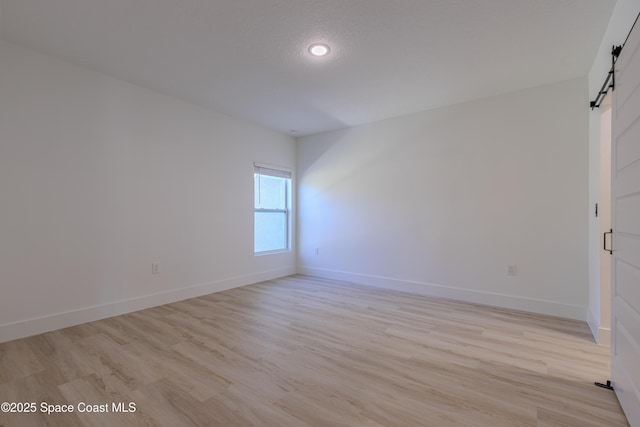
x: 317, y: 251
x: 512, y: 270
x: 155, y: 268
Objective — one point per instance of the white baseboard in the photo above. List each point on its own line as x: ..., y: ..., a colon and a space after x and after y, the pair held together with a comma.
x: 38, y: 325
x: 600, y: 334
x: 487, y: 298
x: 593, y: 323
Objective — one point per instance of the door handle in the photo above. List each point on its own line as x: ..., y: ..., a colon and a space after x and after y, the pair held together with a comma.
x: 604, y: 241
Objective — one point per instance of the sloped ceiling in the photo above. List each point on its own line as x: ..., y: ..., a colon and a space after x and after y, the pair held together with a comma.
x: 249, y: 58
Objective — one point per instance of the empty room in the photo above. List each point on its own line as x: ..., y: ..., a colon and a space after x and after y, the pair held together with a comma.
x: 320, y: 213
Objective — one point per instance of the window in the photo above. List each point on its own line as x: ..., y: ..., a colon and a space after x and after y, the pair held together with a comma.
x: 272, y: 205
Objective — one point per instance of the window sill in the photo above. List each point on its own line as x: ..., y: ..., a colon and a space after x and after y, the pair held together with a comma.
x: 273, y: 252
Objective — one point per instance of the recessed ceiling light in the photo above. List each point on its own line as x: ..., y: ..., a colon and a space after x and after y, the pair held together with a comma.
x: 318, y: 49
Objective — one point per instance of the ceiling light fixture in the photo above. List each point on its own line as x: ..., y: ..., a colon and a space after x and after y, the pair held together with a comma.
x: 319, y: 49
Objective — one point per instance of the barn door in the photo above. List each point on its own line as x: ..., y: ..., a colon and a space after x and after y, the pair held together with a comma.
x: 625, y: 262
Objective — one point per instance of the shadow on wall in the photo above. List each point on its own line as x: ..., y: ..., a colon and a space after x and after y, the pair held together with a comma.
x: 453, y: 196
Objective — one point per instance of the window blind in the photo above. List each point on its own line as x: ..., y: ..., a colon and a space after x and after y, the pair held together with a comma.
x: 271, y: 171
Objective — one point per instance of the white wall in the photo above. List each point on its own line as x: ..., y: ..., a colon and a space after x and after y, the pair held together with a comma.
x: 622, y: 18
x: 440, y: 202
x: 99, y: 178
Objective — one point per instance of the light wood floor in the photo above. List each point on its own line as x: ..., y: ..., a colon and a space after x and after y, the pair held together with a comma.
x: 303, y: 351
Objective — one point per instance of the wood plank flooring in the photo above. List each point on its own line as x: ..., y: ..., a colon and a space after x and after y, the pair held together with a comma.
x: 303, y: 351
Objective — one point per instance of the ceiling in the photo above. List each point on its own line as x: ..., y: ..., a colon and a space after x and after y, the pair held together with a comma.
x: 249, y: 58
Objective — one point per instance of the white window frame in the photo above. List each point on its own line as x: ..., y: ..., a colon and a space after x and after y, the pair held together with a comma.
x: 280, y: 172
